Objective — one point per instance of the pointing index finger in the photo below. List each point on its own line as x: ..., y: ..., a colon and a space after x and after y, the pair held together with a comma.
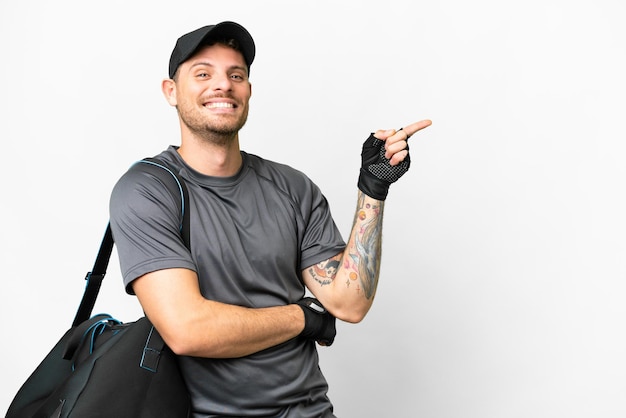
x: 417, y: 126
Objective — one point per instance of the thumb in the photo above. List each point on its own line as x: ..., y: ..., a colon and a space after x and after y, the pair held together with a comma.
x: 383, y: 134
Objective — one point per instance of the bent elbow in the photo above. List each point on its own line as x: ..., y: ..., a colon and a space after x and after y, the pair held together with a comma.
x: 181, y: 342
x: 184, y: 343
x: 179, y: 345
x: 352, y: 316
x: 353, y: 319
x: 179, y: 349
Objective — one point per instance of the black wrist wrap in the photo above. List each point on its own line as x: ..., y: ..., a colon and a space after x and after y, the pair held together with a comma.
x: 319, y: 324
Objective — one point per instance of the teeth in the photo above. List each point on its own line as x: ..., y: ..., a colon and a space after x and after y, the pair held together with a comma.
x: 219, y: 104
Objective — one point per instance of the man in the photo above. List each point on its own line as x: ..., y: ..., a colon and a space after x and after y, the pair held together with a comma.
x: 233, y: 306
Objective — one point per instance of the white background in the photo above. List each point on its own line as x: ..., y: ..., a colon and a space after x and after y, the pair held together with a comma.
x: 502, y: 292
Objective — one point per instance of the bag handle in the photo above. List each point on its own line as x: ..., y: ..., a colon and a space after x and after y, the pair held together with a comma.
x: 96, y: 275
x: 81, y: 331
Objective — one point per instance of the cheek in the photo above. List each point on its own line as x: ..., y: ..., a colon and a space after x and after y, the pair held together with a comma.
x: 246, y: 94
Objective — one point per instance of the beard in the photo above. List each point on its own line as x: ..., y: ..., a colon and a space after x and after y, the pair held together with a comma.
x: 217, y: 129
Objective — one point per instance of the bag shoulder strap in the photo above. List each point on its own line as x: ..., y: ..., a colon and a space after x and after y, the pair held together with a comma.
x: 166, y: 173
x: 176, y: 185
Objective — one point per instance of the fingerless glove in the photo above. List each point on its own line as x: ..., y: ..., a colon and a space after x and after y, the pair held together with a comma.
x: 319, y: 324
x: 376, y: 173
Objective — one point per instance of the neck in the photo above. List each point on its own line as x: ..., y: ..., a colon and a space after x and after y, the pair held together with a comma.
x: 219, y: 158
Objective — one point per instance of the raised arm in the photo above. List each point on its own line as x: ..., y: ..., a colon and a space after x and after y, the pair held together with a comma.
x: 346, y: 284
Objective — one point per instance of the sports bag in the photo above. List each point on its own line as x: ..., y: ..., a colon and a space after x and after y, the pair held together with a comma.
x: 101, y: 367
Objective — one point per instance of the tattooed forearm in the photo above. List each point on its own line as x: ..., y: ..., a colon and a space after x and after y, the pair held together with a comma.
x: 366, y: 248
x: 360, y: 263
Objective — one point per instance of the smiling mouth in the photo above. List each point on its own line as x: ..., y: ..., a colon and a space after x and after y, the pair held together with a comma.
x: 220, y: 105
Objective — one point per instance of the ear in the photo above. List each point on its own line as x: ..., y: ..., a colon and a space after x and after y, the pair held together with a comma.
x: 168, y: 87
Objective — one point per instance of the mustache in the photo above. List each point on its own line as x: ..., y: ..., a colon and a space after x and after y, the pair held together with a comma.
x: 220, y: 96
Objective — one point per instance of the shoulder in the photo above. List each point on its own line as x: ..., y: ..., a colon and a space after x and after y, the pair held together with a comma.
x: 145, y: 184
x: 292, y: 184
x: 283, y: 175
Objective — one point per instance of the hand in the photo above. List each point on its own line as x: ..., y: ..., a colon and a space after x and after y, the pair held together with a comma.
x: 385, y: 158
x: 319, y: 324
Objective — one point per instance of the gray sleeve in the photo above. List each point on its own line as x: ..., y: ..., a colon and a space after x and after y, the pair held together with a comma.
x: 145, y: 220
x: 322, y: 239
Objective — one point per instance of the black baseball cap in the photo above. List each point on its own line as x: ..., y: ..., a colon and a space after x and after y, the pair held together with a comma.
x: 189, y: 43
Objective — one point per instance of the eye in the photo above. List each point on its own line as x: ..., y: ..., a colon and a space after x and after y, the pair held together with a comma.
x: 237, y: 77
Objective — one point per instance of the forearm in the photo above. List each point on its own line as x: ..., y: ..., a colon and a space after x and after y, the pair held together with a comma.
x: 363, y: 252
x: 228, y: 331
x: 195, y: 326
x: 349, y: 294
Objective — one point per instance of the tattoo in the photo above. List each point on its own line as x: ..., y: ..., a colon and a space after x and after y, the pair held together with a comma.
x: 362, y: 260
x: 324, y: 273
x: 366, y: 251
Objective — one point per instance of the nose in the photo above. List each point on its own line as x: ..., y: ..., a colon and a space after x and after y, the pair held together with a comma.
x: 222, y: 82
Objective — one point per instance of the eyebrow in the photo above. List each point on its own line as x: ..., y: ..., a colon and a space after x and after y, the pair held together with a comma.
x: 208, y: 64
